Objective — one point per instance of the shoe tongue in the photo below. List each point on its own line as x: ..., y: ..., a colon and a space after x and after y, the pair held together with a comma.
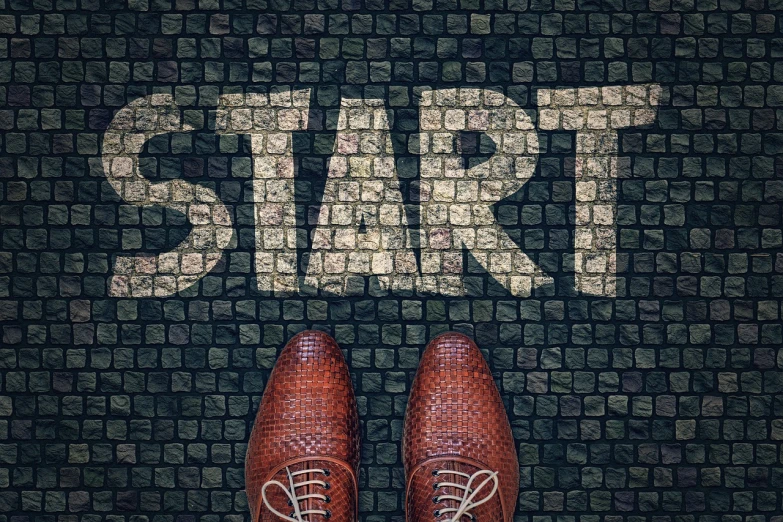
x: 305, y: 464
x: 455, y: 465
x: 425, y: 480
x: 279, y: 499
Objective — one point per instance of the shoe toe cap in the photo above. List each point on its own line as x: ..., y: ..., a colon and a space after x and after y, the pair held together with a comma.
x: 455, y: 407
x: 456, y: 359
x: 310, y: 348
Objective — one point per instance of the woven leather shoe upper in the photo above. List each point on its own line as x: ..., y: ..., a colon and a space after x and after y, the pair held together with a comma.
x: 307, y: 420
x: 456, y: 421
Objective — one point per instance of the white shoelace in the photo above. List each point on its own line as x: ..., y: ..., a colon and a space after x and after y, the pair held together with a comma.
x: 466, y: 502
x: 294, y: 499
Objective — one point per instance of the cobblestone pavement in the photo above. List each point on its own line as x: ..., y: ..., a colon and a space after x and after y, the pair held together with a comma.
x: 591, y: 190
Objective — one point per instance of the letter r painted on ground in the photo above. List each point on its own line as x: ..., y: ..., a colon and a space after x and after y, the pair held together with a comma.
x: 478, y: 148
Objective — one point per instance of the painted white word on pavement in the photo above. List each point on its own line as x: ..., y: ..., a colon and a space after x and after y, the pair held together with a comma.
x: 360, y: 229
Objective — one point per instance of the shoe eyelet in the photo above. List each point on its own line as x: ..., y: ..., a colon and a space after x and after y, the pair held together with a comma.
x: 327, y: 473
x: 435, y: 472
x: 435, y: 500
x: 328, y: 499
x: 290, y: 503
x: 435, y: 486
x: 327, y: 485
x: 436, y: 512
x: 328, y: 514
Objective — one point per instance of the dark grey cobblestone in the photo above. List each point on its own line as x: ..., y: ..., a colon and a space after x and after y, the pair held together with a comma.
x: 661, y: 404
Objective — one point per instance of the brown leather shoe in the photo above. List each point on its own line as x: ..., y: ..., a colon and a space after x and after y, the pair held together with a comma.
x: 459, y: 455
x: 303, y: 456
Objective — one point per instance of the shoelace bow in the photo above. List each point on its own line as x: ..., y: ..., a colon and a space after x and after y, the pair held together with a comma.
x: 294, y: 499
x: 466, y: 501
